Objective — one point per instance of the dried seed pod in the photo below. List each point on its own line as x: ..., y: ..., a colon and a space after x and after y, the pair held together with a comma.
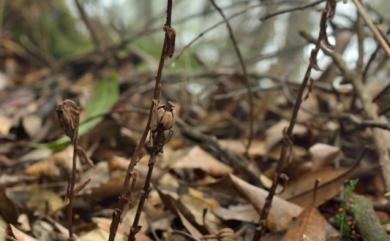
x: 68, y: 113
x: 169, y: 48
x: 154, y: 118
x: 166, y: 116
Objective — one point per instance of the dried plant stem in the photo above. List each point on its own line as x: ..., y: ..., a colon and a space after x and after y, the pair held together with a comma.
x: 289, y: 10
x: 287, y: 140
x: 145, y: 192
x: 245, y: 75
x: 72, y: 184
x: 126, y: 191
x: 68, y: 113
x: 379, y: 37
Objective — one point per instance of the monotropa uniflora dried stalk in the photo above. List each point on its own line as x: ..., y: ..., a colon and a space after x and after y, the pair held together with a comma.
x: 68, y: 113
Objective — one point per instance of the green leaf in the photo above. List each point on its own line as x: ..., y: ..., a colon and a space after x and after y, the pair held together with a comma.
x: 105, y: 96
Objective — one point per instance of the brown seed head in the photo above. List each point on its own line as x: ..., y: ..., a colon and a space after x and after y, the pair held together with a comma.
x: 68, y: 113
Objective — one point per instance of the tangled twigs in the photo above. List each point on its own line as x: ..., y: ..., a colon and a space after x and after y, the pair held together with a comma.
x: 69, y: 118
x: 167, y: 51
x: 326, y: 15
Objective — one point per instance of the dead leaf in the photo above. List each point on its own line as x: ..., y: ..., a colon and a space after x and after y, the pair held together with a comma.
x: 258, y: 148
x: 104, y: 224
x: 185, y: 215
x: 35, y: 198
x: 310, y: 225
x: 197, y: 158
x: 19, y: 235
x: 331, y: 183
x: 102, y: 235
x: 8, y: 209
x: 244, y: 213
x: 274, y: 134
x: 5, y: 125
x: 32, y: 124
x: 323, y: 154
x: 282, y: 212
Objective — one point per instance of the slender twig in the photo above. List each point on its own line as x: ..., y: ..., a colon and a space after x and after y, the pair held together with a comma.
x: 88, y: 24
x: 285, y: 153
x: 214, y: 26
x: 289, y: 10
x: 138, y: 152
x: 245, y: 75
x: 360, y: 38
x: 379, y: 37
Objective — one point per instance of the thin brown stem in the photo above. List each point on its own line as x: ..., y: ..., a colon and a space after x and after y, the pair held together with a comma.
x: 289, y: 10
x: 138, y: 152
x: 245, y: 75
x: 360, y: 38
x: 68, y: 114
x: 327, y: 13
x: 72, y: 185
x: 145, y: 192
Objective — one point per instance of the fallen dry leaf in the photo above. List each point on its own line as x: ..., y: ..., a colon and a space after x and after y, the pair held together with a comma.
x: 197, y: 158
x: 257, y: 148
x: 5, y: 125
x: 282, y: 212
x: 275, y: 133
x: 300, y: 191
x: 245, y: 213
x: 323, y: 154
x: 32, y: 124
x: 186, y: 217
x: 310, y: 225
x: 19, y: 235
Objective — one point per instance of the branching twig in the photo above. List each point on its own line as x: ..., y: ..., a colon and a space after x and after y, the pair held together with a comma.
x: 167, y: 51
x: 299, y: 8
x: 327, y: 14
x: 245, y: 75
x: 379, y: 37
x: 369, y: 108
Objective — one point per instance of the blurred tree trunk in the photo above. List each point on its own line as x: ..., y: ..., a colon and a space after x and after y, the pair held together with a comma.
x: 266, y: 30
x: 291, y: 60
